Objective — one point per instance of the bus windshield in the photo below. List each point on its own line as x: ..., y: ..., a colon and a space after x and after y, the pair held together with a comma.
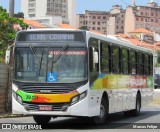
x: 55, y: 65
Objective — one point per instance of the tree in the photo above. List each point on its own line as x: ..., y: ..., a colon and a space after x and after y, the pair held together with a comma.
x: 83, y: 28
x: 7, y: 32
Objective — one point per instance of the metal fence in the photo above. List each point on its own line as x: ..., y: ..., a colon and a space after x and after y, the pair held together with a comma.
x: 4, y: 89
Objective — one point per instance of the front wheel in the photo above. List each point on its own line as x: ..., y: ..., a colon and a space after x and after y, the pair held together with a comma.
x: 103, y: 113
x: 42, y: 120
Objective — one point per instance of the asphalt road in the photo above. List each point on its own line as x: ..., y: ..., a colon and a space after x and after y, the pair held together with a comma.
x: 150, y: 115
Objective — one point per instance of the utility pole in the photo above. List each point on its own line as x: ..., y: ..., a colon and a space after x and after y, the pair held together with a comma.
x: 11, y: 8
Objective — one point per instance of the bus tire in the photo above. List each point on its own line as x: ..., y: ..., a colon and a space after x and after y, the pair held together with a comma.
x: 103, y: 113
x: 136, y: 111
x: 127, y: 113
x: 42, y: 120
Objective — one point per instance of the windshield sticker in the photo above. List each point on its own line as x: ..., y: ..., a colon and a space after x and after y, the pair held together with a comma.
x: 67, y: 52
x: 51, y: 77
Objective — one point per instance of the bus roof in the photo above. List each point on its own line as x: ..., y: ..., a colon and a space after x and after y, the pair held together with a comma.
x: 109, y: 38
x: 116, y: 41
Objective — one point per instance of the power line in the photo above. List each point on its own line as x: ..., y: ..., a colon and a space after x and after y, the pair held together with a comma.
x: 125, y: 2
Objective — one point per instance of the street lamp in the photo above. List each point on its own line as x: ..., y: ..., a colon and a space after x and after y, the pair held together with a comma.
x: 11, y: 8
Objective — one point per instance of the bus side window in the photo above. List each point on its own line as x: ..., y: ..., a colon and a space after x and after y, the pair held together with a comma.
x: 125, y: 66
x: 116, y: 59
x: 93, y: 67
x: 133, y: 68
x: 140, y: 65
x: 151, y: 65
x: 105, y: 58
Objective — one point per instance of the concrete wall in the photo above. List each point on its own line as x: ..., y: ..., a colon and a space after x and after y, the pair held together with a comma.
x: 3, y: 86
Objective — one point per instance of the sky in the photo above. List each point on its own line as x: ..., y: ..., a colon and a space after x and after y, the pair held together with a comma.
x: 82, y: 5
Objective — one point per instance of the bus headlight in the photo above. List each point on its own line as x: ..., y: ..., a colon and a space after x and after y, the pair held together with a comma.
x: 19, y: 99
x: 75, y: 100
x: 78, y: 97
x: 14, y: 94
x: 83, y: 95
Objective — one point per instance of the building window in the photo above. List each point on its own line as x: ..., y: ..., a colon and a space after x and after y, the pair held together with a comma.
x: 141, y: 19
x: 152, y: 14
x: 99, y: 17
x: 31, y: 5
x: 31, y: 15
x: 31, y: 10
x: 117, y: 27
x: 93, y: 23
x: 121, y: 27
x: 94, y: 17
x: 104, y: 17
x: 98, y: 28
x: 31, y: 0
x: 98, y: 23
x: 142, y: 13
x: 152, y: 20
x: 137, y: 19
x: 93, y: 28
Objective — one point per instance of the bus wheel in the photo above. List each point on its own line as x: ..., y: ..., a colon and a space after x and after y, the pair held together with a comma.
x: 42, y: 120
x: 136, y: 111
x: 103, y: 113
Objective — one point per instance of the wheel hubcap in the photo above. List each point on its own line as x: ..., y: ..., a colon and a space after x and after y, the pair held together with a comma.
x: 138, y: 106
x: 102, y: 111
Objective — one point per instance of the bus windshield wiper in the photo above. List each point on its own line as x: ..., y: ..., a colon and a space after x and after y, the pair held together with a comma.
x: 41, y: 62
x: 59, y: 55
x: 34, y: 53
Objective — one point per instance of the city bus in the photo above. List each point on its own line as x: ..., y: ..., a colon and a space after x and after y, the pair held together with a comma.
x: 74, y: 73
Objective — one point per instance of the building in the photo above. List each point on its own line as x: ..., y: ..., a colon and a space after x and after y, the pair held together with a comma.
x: 93, y: 20
x: 116, y: 20
x: 49, y: 21
x: 47, y: 8
x: 147, y: 17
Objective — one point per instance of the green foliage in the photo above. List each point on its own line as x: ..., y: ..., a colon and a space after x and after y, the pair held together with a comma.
x: 84, y: 28
x: 7, y: 33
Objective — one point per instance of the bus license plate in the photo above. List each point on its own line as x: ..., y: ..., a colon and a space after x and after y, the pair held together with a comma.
x: 45, y: 108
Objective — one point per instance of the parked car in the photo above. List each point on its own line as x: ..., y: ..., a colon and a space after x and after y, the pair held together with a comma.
x: 157, y: 81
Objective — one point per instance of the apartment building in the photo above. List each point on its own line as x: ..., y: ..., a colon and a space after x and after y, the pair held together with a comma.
x: 93, y: 20
x: 116, y: 20
x: 50, y: 8
x: 147, y: 17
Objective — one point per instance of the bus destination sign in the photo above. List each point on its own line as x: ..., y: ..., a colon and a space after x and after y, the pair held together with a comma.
x: 50, y: 37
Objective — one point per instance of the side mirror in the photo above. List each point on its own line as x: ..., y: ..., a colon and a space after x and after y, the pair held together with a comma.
x: 7, y: 57
x: 95, y: 57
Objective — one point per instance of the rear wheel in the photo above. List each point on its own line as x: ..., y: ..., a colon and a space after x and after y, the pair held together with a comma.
x: 136, y: 111
x: 42, y: 120
x: 103, y: 113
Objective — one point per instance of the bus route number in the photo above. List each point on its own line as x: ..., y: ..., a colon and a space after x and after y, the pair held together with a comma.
x: 31, y: 97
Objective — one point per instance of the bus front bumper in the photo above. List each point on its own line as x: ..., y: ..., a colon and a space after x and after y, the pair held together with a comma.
x: 80, y: 108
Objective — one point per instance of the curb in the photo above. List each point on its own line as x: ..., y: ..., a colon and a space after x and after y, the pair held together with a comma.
x: 9, y: 116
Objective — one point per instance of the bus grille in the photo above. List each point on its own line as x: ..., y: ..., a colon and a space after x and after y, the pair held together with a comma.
x: 47, y: 89
x: 35, y: 107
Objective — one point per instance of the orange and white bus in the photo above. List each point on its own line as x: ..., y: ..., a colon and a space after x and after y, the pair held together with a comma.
x: 77, y: 73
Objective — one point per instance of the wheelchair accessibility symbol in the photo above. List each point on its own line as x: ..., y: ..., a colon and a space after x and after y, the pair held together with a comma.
x: 51, y: 77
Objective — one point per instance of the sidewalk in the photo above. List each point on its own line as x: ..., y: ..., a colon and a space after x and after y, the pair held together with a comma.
x: 9, y: 115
